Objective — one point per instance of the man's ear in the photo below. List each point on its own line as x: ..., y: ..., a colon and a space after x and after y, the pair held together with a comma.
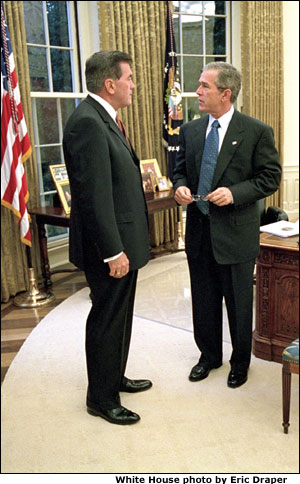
x: 226, y: 95
x: 109, y: 86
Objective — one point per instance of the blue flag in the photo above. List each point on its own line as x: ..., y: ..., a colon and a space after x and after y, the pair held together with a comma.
x: 173, y: 114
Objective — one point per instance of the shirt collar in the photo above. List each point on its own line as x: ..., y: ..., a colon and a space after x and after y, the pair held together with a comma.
x: 223, y: 120
x: 108, y: 107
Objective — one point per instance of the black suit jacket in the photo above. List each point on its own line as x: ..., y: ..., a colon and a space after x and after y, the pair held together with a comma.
x: 109, y: 212
x: 249, y: 165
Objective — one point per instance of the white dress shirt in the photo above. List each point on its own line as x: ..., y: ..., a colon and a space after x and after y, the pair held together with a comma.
x: 224, y: 123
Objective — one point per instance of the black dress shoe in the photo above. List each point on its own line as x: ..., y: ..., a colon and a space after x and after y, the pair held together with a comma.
x: 236, y: 378
x: 134, y: 386
x: 201, y: 371
x: 119, y: 415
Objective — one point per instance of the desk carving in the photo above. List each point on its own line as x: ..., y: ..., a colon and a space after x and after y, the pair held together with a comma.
x: 277, y: 297
x: 286, y: 259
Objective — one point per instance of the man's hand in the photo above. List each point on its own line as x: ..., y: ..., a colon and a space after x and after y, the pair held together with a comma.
x: 119, y: 267
x: 183, y: 196
x: 221, y: 196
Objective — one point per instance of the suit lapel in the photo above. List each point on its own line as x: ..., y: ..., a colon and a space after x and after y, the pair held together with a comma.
x: 233, y: 139
x: 109, y: 121
x: 198, y: 140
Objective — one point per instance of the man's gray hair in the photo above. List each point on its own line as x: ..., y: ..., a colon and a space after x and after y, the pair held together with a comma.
x: 228, y: 78
x: 104, y: 65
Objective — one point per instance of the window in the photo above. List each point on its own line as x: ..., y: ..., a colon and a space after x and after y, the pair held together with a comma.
x: 56, y: 89
x: 201, y: 31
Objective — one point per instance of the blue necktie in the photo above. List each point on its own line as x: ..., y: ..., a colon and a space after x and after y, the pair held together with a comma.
x: 208, y: 165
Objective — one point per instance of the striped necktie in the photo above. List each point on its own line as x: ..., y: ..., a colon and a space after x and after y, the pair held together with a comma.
x: 208, y: 165
x: 122, y: 129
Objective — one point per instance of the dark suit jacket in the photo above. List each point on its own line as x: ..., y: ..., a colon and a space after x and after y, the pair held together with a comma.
x: 109, y: 212
x: 249, y: 165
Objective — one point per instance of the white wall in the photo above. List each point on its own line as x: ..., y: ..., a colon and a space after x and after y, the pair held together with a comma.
x: 291, y: 82
x: 291, y: 108
x: 89, y: 36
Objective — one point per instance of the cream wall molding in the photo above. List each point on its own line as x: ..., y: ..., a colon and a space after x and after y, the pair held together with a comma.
x: 291, y: 191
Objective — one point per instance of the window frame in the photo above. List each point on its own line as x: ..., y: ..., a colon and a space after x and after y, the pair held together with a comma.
x: 76, y: 94
x: 187, y: 95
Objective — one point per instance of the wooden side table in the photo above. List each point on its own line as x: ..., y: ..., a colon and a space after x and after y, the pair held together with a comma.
x: 56, y: 216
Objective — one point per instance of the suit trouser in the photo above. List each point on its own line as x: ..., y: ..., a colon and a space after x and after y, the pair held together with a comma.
x: 210, y: 282
x: 108, y: 333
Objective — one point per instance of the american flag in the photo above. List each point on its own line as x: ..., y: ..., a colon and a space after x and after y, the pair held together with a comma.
x: 15, y: 143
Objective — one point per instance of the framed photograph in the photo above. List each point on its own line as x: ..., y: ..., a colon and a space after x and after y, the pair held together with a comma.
x: 162, y: 183
x: 148, y: 182
x: 58, y: 172
x: 62, y: 185
x: 64, y: 193
x: 151, y: 166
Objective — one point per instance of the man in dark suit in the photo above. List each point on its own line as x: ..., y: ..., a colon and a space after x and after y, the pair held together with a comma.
x: 109, y: 237
x: 229, y: 170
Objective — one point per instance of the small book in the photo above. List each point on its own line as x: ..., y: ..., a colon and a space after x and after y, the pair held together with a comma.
x: 282, y: 228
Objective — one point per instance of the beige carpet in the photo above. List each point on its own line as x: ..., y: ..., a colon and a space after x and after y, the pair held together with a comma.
x: 185, y: 427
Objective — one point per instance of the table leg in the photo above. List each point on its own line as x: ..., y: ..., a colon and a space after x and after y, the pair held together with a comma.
x: 286, y: 397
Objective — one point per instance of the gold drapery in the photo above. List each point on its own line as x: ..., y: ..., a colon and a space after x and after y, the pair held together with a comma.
x: 139, y: 28
x: 262, y: 69
x: 14, y: 268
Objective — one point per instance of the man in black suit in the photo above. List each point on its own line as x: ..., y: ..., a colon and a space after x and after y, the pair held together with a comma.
x: 109, y: 237
x: 222, y: 228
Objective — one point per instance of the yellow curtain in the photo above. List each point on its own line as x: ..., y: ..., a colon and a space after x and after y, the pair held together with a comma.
x: 262, y: 69
x: 14, y: 273
x: 139, y: 28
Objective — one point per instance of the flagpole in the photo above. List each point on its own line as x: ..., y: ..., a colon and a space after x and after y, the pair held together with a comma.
x: 34, y: 298
x: 180, y: 240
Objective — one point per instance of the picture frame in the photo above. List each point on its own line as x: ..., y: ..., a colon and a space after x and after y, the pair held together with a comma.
x: 64, y: 193
x: 58, y: 172
x: 148, y: 182
x: 162, y: 184
x: 61, y: 181
x: 151, y: 166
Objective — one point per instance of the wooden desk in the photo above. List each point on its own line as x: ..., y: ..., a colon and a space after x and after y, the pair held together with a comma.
x: 277, y: 296
x: 56, y: 216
